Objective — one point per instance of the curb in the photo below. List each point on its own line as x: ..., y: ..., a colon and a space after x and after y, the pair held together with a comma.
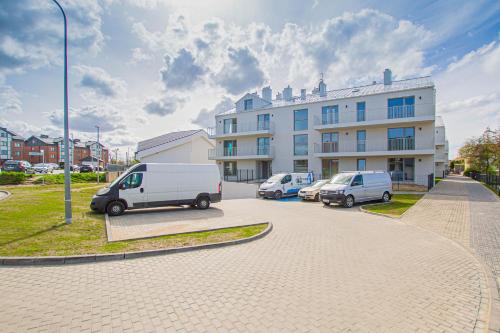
x: 62, y: 260
x: 7, y: 194
x: 379, y: 214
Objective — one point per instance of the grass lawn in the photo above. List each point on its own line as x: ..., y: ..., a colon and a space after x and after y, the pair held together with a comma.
x: 437, y: 180
x: 399, y: 204
x: 32, y: 224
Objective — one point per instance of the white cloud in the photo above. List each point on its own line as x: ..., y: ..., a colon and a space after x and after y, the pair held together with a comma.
x: 86, y: 118
x: 99, y: 82
x: 163, y: 106
x: 206, y: 118
x: 138, y: 55
x: 181, y: 72
x: 10, y: 103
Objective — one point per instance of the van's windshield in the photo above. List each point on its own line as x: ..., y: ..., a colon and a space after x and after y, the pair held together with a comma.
x: 341, y: 179
x: 319, y: 183
x: 123, y: 175
x: 275, y: 178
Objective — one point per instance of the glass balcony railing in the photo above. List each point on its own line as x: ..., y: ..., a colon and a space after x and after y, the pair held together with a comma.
x: 401, y: 111
x: 240, y: 128
x: 263, y: 151
x: 401, y: 143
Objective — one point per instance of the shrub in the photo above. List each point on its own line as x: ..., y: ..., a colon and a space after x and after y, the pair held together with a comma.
x: 470, y: 171
x: 13, y: 178
x: 89, y: 177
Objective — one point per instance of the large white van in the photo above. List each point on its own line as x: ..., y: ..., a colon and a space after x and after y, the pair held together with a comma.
x: 285, y: 185
x: 160, y: 184
x: 347, y: 188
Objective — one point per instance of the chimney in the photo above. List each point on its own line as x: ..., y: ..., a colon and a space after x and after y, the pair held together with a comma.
x: 267, y: 94
x: 315, y: 90
x: 302, y: 94
x: 322, y: 88
x: 387, y: 77
x: 278, y: 96
x: 287, y: 93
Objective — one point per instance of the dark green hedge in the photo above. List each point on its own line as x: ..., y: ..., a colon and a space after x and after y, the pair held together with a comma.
x: 13, y: 178
x: 90, y: 177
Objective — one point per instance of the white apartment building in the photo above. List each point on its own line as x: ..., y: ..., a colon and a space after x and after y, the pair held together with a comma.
x: 5, y: 144
x: 442, y: 148
x: 381, y: 126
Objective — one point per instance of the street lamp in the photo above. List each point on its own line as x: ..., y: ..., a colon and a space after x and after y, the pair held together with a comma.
x: 98, y: 154
x: 67, y: 175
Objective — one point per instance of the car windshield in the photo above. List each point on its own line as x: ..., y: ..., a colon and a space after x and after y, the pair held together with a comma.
x: 275, y: 178
x: 341, y: 179
x: 320, y: 183
x: 11, y: 163
x: 39, y: 165
x: 123, y: 175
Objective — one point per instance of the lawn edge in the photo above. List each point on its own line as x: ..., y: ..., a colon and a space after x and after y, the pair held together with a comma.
x: 8, y: 194
x: 88, y: 258
x: 379, y: 214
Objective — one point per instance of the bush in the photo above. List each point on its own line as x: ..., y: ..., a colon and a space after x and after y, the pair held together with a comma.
x: 13, y: 178
x: 90, y: 177
x: 470, y: 171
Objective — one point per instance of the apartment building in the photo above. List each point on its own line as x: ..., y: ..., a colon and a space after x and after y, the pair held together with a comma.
x: 386, y: 125
x: 442, y: 149
x: 38, y: 149
x: 5, y: 144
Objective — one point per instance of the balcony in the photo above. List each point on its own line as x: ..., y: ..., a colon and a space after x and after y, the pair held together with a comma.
x: 401, y: 111
x: 357, y: 148
x: 241, y: 129
x: 320, y: 124
x: 254, y: 153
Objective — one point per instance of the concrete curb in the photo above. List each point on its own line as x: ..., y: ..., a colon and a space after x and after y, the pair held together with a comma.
x: 378, y: 214
x: 7, y: 194
x: 62, y: 260
x: 108, y: 228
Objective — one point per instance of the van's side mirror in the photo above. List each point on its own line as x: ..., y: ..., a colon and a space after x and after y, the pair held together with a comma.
x: 122, y: 186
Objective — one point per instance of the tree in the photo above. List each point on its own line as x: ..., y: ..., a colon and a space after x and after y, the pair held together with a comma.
x: 483, y: 152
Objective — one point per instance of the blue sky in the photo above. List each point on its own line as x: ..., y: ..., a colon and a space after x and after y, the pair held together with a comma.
x: 145, y: 67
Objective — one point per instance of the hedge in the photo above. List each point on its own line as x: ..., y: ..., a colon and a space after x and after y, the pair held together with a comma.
x: 13, y: 178
x: 90, y: 177
x: 469, y: 171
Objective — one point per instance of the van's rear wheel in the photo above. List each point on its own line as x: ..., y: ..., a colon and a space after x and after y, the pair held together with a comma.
x: 203, y: 203
x: 115, y: 208
x: 349, y: 201
x: 278, y: 195
x: 386, y: 197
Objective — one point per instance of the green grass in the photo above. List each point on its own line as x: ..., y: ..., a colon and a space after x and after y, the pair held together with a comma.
x: 399, y: 204
x: 437, y: 180
x: 32, y: 224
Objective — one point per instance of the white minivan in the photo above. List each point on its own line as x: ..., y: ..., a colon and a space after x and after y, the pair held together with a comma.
x: 147, y: 185
x: 285, y: 185
x: 347, y: 188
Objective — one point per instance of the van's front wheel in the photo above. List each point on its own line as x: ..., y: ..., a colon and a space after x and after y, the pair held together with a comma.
x: 386, y: 197
x: 349, y: 201
x: 115, y: 208
x: 203, y: 203
x: 278, y: 194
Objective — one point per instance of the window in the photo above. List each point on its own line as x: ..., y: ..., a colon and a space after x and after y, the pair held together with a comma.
x: 300, y: 145
x: 230, y: 125
x: 53, y: 148
x: 330, y: 142
x: 263, y: 122
x: 300, y: 166
x: 402, y: 169
x: 2, y: 134
x: 248, y: 104
x: 361, y: 165
x: 229, y: 168
x: 402, y: 107
x: 357, y: 181
x: 286, y: 179
x: 4, y: 152
x: 402, y: 138
x: 262, y: 146
x: 230, y: 148
x: 132, y: 181
x: 3, y: 143
x: 18, y: 153
x: 330, y: 114
x: 17, y: 144
x: 52, y: 156
x: 360, y: 109
x: 300, y: 120
x: 361, y: 140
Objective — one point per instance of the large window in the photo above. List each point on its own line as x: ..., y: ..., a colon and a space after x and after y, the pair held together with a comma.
x: 263, y: 122
x: 300, y: 166
x: 402, y: 169
x: 330, y: 142
x: 132, y: 181
x: 402, y: 138
x: 230, y: 148
x: 300, y: 145
x: 330, y: 114
x: 300, y: 120
x: 360, y: 111
x: 402, y: 107
x: 248, y: 104
x: 230, y: 125
x: 230, y: 168
x: 361, y: 165
x: 262, y: 146
x: 361, y: 140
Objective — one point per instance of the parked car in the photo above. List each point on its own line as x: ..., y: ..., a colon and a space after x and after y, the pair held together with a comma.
x: 86, y: 168
x: 55, y: 166
x: 160, y: 184
x: 43, y: 168
x: 312, y: 192
x: 346, y: 188
x: 284, y: 185
x: 74, y: 168
x: 18, y: 166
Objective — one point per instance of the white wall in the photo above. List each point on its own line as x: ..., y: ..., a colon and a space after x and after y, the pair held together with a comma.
x: 232, y: 190
x: 194, y: 151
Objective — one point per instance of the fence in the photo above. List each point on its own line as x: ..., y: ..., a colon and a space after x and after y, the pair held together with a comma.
x: 242, y: 175
x: 491, y: 180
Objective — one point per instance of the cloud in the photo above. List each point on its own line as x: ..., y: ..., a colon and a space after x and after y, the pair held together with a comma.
x: 206, y: 118
x: 99, y: 82
x: 31, y: 32
x: 163, y: 106
x: 241, y: 72
x: 472, y: 103
x: 85, y: 119
x: 181, y: 72
x: 10, y: 103
x: 138, y: 55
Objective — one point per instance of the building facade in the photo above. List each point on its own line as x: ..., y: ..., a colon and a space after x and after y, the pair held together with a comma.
x: 5, y: 144
x: 441, y: 158
x: 382, y: 126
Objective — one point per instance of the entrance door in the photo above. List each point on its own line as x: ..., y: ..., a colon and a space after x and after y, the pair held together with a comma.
x: 263, y: 169
x: 329, y: 168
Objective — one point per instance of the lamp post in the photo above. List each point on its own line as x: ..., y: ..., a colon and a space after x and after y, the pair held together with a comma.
x: 98, y: 154
x: 67, y: 175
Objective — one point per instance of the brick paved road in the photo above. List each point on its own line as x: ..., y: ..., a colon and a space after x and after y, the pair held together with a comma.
x: 321, y: 269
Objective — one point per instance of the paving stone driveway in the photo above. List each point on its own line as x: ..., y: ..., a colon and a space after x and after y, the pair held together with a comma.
x: 320, y: 269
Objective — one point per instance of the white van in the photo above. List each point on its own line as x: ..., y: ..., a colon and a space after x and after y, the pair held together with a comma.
x: 285, y: 185
x: 347, y: 188
x: 160, y: 184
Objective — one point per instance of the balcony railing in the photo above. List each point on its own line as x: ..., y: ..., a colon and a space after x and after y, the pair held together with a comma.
x: 401, y: 143
x: 326, y: 119
x: 401, y: 111
x: 241, y: 128
x: 374, y: 145
x: 259, y: 151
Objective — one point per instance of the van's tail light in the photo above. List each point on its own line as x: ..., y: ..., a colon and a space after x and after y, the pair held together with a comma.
x: 220, y: 187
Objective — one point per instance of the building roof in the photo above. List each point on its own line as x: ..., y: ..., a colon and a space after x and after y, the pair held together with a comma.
x: 372, y: 89
x: 165, y: 138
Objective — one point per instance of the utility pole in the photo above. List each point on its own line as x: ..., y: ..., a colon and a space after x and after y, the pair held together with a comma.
x: 67, y: 175
x: 116, y: 155
x: 98, y: 154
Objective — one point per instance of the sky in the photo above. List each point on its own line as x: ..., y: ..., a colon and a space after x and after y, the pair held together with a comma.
x: 141, y: 68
